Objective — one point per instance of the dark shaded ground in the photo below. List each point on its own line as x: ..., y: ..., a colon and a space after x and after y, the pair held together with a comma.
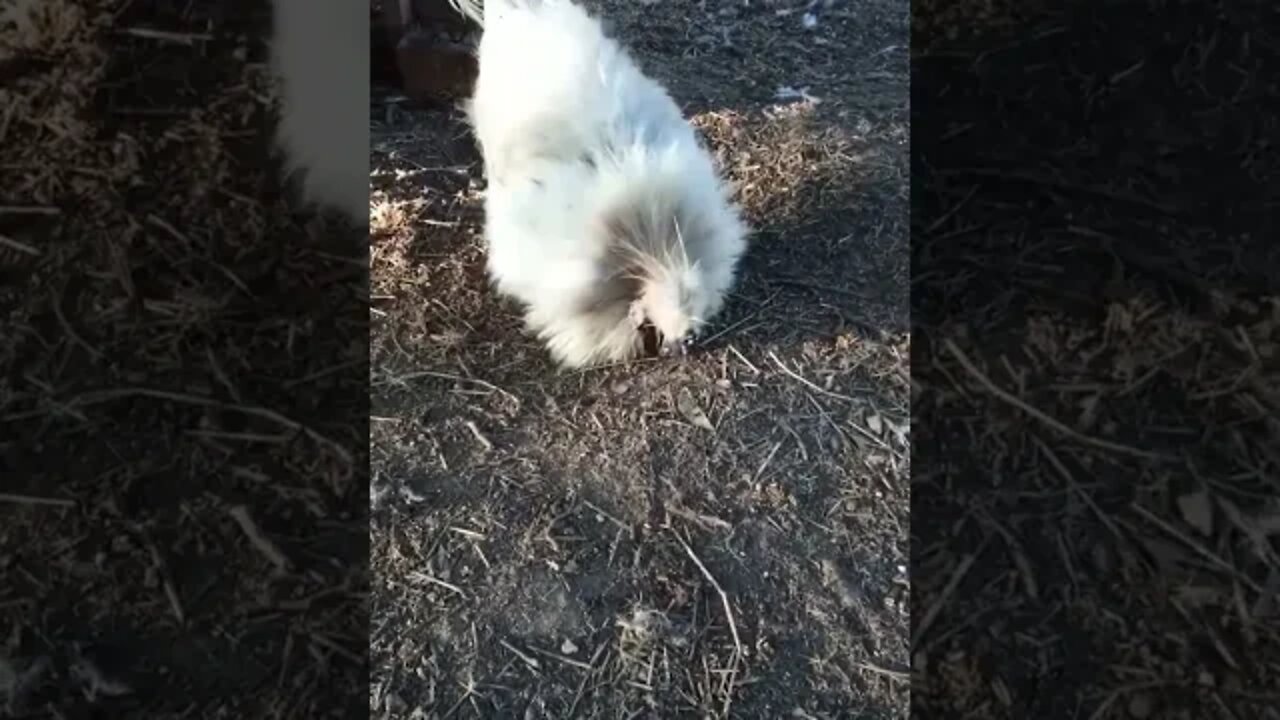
x: 549, y: 544
x: 1095, y: 297
x: 183, y: 368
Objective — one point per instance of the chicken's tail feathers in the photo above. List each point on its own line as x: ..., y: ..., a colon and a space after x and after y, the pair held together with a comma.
x: 473, y: 9
x: 480, y: 11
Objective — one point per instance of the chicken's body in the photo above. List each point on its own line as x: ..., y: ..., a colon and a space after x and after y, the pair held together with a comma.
x: 602, y: 210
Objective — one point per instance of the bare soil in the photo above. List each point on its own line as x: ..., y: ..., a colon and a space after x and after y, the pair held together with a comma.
x: 720, y: 536
x: 183, y: 402
x: 1094, y: 505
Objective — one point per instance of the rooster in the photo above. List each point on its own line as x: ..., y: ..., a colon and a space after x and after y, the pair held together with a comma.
x: 320, y: 56
x: 605, y: 216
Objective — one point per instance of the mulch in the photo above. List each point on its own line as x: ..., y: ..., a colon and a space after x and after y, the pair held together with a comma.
x: 1095, y: 427
x: 184, y: 396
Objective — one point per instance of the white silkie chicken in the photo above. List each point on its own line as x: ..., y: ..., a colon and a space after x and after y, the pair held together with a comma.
x: 320, y: 56
x: 604, y: 213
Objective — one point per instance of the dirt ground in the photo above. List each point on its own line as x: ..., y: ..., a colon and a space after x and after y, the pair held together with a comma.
x: 183, y: 402
x: 720, y: 536
x: 1095, y: 301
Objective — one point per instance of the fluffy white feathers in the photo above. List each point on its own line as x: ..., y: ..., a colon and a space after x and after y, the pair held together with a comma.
x: 603, y: 210
x: 320, y: 55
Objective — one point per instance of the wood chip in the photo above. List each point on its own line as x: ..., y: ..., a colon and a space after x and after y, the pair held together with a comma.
x: 688, y: 407
x: 1197, y: 510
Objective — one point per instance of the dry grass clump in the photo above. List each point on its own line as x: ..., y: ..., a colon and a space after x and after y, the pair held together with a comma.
x: 774, y: 158
x: 1096, y: 372
x: 54, y: 58
x: 936, y: 24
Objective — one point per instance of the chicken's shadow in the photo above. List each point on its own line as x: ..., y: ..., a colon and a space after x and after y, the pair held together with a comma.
x: 829, y: 251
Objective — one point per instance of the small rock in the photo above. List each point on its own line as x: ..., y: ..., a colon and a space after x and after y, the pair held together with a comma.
x: 1141, y: 706
x: 1197, y: 510
x: 568, y: 648
x: 688, y: 407
x: 394, y: 703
